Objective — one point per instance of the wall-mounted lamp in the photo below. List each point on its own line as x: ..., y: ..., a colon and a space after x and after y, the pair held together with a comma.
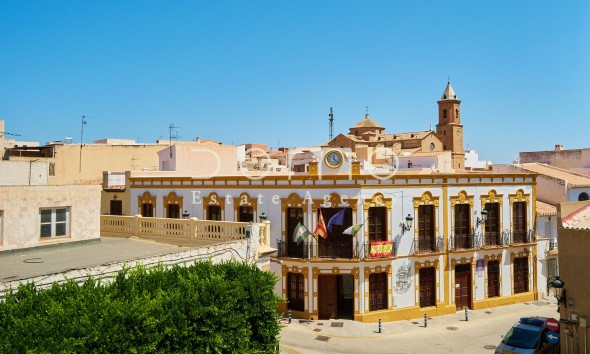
x: 262, y: 217
x: 557, y: 285
x: 115, y: 197
x: 484, y: 218
x: 408, y: 225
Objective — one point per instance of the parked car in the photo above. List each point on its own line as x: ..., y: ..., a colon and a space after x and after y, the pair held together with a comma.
x: 527, y: 336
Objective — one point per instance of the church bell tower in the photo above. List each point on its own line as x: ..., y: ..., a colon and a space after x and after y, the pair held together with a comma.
x: 449, y: 128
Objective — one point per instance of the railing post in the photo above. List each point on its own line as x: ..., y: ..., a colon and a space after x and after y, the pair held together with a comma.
x: 425, y: 320
x: 136, y: 225
x: 379, y: 325
x: 193, y: 228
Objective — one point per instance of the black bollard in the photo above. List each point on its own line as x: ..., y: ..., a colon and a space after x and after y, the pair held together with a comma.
x: 466, y: 314
x: 379, y: 325
x: 425, y: 320
x: 289, y: 316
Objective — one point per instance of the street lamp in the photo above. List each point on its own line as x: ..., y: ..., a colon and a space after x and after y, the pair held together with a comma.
x: 408, y: 225
x: 484, y: 218
x: 557, y: 285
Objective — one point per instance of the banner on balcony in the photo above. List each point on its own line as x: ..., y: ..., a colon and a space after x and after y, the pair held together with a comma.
x: 381, y: 249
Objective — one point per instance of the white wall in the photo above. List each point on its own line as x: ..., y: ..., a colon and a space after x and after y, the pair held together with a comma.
x: 21, y: 173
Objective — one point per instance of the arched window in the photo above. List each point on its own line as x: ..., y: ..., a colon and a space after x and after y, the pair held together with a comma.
x: 456, y: 113
x: 583, y: 196
x: 444, y: 113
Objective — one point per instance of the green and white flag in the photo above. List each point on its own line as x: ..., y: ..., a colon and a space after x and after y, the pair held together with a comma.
x: 353, y: 230
x: 301, y: 233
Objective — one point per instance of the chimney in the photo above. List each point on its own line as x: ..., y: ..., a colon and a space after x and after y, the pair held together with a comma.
x: 558, y: 147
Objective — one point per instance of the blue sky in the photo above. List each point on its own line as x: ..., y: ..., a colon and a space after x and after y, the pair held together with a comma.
x: 264, y: 71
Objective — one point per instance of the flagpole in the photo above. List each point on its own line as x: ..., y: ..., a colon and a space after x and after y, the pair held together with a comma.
x: 302, y: 224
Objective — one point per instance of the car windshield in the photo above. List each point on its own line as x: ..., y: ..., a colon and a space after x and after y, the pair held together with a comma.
x: 521, y: 338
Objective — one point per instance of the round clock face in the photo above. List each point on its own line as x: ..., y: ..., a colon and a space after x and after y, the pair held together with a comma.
x: 334, y: 159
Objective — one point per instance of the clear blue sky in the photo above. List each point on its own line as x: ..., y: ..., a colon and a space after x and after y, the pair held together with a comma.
x: 259, y: 71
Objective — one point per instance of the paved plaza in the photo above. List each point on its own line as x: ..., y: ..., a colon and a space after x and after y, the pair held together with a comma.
x: 444, y: 334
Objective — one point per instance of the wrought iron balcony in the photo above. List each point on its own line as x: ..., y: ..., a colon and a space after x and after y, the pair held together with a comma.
x: 493, y: 239
x: 463, y: 242
x: 292, y: 250
x: 377, y: 250
x: 428, y: 245
x: 522, y: 236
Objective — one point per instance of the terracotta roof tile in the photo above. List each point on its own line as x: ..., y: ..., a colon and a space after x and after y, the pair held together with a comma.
x: 572, y: 178
x: 579, y: 219
x: 544, y: 209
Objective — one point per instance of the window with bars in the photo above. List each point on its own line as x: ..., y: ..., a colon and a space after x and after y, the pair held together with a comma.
x: 54, y: 222
x: 52, y: 168
x: 377, y: 224
x: 378, y: 291
x: 295, y: 291
x: 521, y: 275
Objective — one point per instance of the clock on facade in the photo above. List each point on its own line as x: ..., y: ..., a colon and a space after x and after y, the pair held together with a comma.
x: 334, y: 159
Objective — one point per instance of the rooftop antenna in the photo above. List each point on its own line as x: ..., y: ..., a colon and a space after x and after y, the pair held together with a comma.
x: 173, y: 135
x: 331, y: 115
x: 81, y: 142
x: 448, y: 79
x: 278, y: 143
x: 366, y: 109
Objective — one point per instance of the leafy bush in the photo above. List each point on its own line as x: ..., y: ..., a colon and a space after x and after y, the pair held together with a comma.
x: 203, y: 308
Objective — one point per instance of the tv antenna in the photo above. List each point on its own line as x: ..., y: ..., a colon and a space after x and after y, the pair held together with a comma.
x: 331, y: 115
x: 173, y: 135
x: 2, y: 134
x: 81, y: 142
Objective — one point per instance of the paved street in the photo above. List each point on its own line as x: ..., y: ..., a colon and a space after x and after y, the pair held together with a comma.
x: 444, y: 334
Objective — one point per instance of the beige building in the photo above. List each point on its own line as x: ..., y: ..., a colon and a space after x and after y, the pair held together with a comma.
x: 201, y: 158
x: 32, y: 216
x: 574, y: 243
x: 575, y: 160
x: 368, y: 140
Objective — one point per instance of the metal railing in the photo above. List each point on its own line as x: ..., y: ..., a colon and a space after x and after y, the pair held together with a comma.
x: 345, y: 250
x: 428, y: 245
x: 493, y: 239
x: 522, y: 236
x: 463, y: 242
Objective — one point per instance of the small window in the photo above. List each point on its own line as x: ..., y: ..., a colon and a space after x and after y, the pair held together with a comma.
x: 52, y: 168
x: 54, y: 222
x: 583, y: 196
x: 432, y: 146
x: 456, y: 113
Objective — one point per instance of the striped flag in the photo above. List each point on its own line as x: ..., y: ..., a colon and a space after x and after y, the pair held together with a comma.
x: 300, y: 233
x: 320, y: 228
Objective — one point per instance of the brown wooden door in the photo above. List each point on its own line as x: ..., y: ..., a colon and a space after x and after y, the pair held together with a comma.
x: 294, y: 216
x: 147, y: 210
x: 377, y: 224
x: 327, y: 297
x: 116, y: 207
x: 462, y: 286
x: 462, y: 226
x: 173, y: 211
x: 427, y: 287
x: 493, y: 278
x: 426, y: 228
x: 519, y: 222
x: 378, y: 291
x: 492, y: 225
x: 521, y: 275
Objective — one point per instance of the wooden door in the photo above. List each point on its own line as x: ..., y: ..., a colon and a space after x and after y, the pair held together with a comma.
x: 521, y: 275
x: 462, y: 226
x: 116, y: 207
x: 147, y: 210
x: 493, y: 278
x: 427, y: 287
x: 492, y: 225
x: 327, y: 297
x: 173, y: 211
x: 462, y: 286
x: 426, y: 228
x: 377, y: 224
x: 519, y: 222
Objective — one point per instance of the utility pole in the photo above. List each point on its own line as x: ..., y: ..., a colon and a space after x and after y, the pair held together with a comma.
x: 81, y: 142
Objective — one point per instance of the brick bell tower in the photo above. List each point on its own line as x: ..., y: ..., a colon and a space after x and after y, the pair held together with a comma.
x: 449, y: 128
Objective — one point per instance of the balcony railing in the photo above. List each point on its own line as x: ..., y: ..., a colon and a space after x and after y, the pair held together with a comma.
x: 345, y: 250
x: 428, y: 245
x: 464, y: 242
x: 495, y: 238
x: 522, y: 236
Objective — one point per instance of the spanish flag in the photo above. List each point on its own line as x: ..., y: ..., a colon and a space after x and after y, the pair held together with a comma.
x: 320, y: 228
